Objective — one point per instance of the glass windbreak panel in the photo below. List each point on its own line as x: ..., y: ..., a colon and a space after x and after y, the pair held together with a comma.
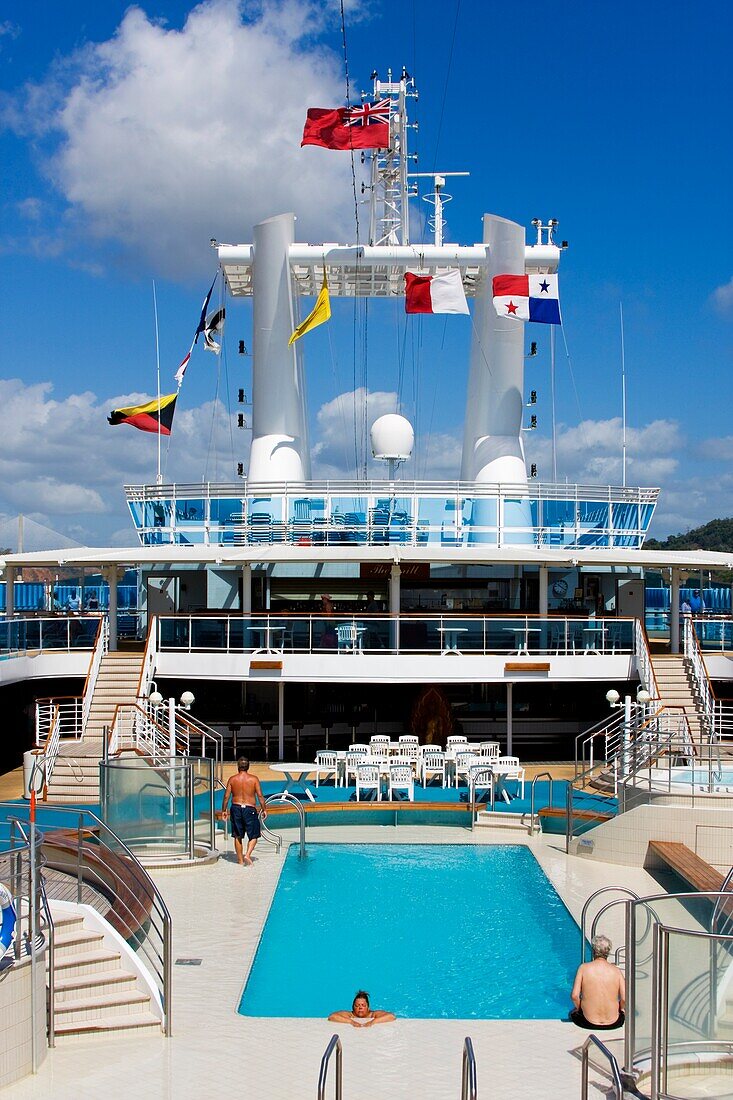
x: 137, y: 511
x: 190, y: 510
x: 646, y: 511
x: 158, y: 513
x: 697, y: 1009
x: 146, y: 804
x: 209, y: 633
x: 483, y: 521
x: 203, y: 800
x: 625, y: 516
x: 559, y: 522
x: 432, y: 514
x: 174, y: 633
x: 593, y: 518
x: 225, y: 511
x: 517, y: 525
x: 692, y: 911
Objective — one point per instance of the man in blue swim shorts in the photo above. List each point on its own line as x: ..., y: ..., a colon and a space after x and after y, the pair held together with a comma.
x: 246, y: 794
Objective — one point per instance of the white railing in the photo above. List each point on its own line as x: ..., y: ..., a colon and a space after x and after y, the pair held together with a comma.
x: 135, y: 726
x: 64, y: 712
x: 100, y: 648
x: 469, y: 635
x: 147, y: 671
x: 645, y: 667
x: 707, y: 709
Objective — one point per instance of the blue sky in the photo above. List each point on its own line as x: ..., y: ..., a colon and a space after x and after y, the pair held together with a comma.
x: 130, y: 136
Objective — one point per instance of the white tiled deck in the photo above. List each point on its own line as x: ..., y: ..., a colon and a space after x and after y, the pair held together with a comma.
x: 218, y: 912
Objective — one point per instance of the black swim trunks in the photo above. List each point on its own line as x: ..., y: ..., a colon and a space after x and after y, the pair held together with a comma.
x: 580, y: 1021
x: 245, y: 820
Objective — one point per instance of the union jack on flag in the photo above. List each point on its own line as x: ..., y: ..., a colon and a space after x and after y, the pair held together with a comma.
x: 368, y: 113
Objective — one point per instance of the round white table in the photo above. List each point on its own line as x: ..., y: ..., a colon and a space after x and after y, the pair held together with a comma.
x: 295, y: 775
x: 521, y: 636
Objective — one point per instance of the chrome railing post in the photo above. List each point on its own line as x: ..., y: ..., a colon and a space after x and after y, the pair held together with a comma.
x: 334, y: 1044
x: 79, y: 840
x: 469, y: 1089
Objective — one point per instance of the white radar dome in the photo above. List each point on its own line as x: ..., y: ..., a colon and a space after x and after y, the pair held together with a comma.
x: 392, y: 437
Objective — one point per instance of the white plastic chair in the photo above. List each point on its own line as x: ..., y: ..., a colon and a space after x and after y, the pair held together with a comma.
x: 432, y: 764
x: 380, y: 742
x: 488, y: 748
x: 409, y: 750
x: 408, y: 739
x: 464, y: 763
x: 508, y: 767
x: 352, y: 761
x: 367, y: 779
x: 456, y: 739
x: 400, y: 779
x: 359, y: 747
x: 326, y: 765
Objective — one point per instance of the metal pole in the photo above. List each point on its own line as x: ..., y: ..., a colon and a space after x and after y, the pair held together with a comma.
x: 281, y: 720
x: 509, y: 730
x: 79, y: 841
x: 34, y: 931
x: 630, y: 975
x: 191, y: 817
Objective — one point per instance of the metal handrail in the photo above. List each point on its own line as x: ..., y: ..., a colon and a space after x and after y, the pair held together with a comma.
x: 469, y: 1088
x: 618, y: 1086
x: 288, y: 799
x: 473, y: 777
x: 333, y: 1044
x: 597, y: 893
x: 160, y: 959
x: 51, y: 933
x: 540, y: 775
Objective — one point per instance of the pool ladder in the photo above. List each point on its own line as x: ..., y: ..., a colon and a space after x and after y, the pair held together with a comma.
x: 274, y: 838
x: 469, y: 1090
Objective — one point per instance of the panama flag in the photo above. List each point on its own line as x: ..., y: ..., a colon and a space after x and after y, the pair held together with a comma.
x: 527, y: 298
x: 441, y: 293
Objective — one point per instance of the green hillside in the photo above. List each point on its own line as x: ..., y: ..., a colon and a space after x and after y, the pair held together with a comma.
x: 716, y: 535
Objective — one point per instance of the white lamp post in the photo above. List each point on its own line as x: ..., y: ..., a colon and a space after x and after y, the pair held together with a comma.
x: 614, y: 700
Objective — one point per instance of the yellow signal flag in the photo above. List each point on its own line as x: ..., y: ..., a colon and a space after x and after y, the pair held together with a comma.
x: 320, y: 313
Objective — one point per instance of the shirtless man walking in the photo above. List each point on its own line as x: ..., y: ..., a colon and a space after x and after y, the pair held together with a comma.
x: 599, y: 991
x: 245, y: 791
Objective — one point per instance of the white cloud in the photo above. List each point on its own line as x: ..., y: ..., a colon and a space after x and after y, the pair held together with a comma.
x: 722, y: 297
x: 340, y: 430
x: 62, y: 463
x: 162, y: 138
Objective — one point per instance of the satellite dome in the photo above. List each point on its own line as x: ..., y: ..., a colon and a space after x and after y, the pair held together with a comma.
x: 392, y: 437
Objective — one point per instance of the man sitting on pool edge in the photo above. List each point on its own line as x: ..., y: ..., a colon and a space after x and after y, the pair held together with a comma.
x: 361, y: 1015
x: 599, y: 991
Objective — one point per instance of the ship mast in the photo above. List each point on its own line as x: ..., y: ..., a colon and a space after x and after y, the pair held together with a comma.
x: 389, y: 189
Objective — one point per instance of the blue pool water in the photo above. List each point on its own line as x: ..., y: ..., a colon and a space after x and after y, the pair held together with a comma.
x: 431, y: 931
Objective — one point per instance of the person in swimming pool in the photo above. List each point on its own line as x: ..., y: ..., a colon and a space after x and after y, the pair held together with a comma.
x: 361, y: 1014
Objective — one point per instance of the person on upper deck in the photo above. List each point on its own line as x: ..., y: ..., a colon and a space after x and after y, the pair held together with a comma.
x: 599, y: 991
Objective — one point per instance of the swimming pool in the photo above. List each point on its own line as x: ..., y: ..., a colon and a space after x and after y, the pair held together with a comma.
x: 451, y: 931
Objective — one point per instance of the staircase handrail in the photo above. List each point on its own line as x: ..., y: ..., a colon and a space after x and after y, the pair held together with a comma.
x: 709, y: 702
x: 16, y: 823
x: 101, y: 646
x: 69, y: 707
x: 587, y: 737
x: 192, y: 723
x: 150, y: 655
x: 645, y: 666
x: 147, y: 732
x: 93, y: 837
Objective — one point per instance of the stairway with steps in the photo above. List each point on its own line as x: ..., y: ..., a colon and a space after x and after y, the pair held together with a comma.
x: 94, y: 994
x: 677, y: 689
x: 76, y: 773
